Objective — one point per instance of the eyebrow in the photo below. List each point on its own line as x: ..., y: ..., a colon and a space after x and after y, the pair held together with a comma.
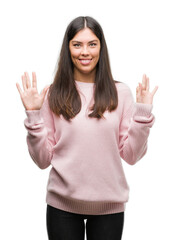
x: 89, y: 41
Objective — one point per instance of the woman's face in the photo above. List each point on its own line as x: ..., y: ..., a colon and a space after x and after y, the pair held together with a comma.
x: 85, y: 51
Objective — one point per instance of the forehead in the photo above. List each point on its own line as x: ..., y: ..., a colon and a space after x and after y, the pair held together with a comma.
x: 85, y: 35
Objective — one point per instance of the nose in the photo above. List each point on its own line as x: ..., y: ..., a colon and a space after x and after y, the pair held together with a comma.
x: 84, y: 51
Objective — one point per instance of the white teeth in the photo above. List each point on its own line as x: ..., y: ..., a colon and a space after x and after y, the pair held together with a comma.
x: 85, y: 61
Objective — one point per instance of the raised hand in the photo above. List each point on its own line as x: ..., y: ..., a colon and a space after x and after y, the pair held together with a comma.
x: 142, y: 91
x: 30, y: 97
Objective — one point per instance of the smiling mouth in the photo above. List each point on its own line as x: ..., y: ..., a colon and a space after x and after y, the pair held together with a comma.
x: 85, y: 61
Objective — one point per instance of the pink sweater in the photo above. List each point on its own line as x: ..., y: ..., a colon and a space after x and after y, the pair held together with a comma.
x: 86, y: 174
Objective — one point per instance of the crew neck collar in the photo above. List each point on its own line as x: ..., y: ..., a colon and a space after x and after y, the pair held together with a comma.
x: 84, y: 83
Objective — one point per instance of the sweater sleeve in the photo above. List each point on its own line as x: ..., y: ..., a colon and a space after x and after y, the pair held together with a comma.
x: 40, y: 136
x: 135, y: 125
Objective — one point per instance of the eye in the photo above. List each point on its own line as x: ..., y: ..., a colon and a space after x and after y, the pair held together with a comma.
x: 93, y: 44
x: 76, y: 45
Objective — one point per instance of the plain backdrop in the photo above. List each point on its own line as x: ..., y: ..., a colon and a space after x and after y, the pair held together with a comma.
x: 139, y: 36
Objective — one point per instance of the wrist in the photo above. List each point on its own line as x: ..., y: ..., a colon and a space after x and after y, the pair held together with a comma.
x: 33, y: 115
x: 142, y: 109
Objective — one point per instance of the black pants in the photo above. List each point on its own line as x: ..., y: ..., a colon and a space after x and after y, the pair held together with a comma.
x: 62, y: 225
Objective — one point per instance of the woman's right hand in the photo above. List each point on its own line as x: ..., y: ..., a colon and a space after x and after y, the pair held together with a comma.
x: 31, y: 99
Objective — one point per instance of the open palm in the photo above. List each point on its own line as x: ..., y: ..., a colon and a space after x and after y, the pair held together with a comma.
x: 143, y: 95
x: 30, y: 97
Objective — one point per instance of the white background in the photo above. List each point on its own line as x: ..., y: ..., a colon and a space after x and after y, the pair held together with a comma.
x: 140, y: 40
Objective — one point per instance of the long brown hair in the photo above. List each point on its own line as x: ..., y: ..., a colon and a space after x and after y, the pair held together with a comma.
x: 63, y: 96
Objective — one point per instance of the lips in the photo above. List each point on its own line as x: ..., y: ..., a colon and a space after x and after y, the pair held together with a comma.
x: 85, y: 61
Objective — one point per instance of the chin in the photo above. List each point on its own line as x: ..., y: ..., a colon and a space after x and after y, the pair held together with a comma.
x: 86, y: 71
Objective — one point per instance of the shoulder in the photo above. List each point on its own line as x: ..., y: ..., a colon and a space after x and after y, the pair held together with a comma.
x: 122, y: 88
x: 124, y: 92
x: 125, y: 96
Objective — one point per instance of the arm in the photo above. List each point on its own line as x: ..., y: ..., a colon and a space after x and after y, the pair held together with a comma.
x: 40, y: 137
x: 136, y: 122
x: 39, y: 121
x: 134, y: 131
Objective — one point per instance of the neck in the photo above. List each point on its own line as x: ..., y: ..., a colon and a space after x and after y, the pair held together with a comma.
x: 82, y: 77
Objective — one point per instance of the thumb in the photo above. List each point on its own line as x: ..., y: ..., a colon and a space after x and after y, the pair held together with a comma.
x: 44, y: 91
x: 154, y: 90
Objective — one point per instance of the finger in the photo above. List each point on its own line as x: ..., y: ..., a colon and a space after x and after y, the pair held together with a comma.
x: 137, y: 89
x: 140, y: 87
x: 137, y: 93
x: 147, y: 85
x: 27, y: 80
x: 144, y: 81
x: 24, y: 82
x: 154, y: 90
x: 34, y: 81
x: 19, y: 89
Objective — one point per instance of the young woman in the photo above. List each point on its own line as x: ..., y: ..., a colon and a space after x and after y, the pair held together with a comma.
x: 82, y: 125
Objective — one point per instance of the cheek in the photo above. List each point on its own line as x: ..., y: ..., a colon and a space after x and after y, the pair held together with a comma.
x: 96, y: 53
x: 75, y: 54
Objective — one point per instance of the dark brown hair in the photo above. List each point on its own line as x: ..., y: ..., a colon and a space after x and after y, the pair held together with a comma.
x: 63, y: 96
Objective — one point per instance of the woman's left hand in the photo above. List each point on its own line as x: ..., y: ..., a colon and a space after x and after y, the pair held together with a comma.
x: 142, y: 91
